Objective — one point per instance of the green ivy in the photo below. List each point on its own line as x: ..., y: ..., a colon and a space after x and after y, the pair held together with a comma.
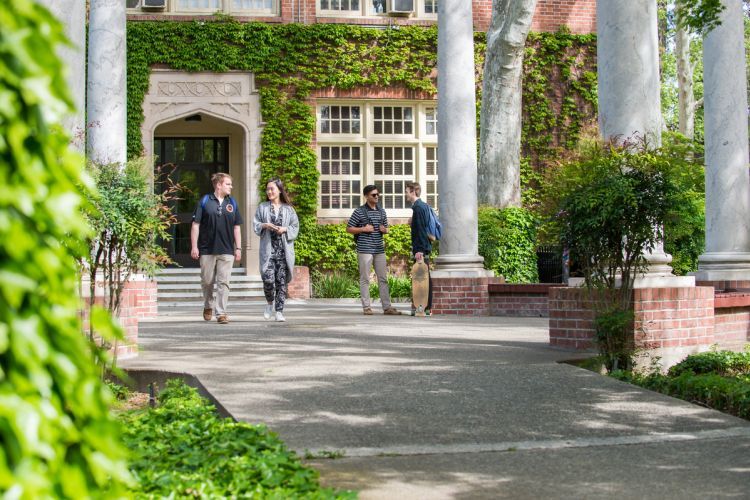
x: 507, y: 241
x: 292, y: 60
x: 57, y: 438
x: 329, y: 248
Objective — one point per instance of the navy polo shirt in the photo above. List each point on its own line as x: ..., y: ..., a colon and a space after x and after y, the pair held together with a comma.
x: 217, y: 221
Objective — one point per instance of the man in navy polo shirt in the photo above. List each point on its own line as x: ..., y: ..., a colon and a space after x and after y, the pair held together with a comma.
x: 215, y: 240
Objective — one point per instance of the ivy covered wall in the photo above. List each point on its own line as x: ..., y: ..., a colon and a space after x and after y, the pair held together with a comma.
x: 291, y: 60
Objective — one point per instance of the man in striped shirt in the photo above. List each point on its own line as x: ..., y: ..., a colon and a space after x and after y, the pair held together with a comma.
x: 368, y: 224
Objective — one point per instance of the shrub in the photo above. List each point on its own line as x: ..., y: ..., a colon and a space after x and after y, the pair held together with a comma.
x: 716, y: 379
x: 329, y: 248
x: 334, y: 286
x: 725, y: 363
x: 398, y: 286
x: 609, y: 207
x: 57, y: 438
x: 507, y: 241
x: 182, y: 448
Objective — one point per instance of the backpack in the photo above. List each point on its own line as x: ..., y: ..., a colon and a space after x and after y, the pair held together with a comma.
x: 434, y: 228
x: 204, y: 200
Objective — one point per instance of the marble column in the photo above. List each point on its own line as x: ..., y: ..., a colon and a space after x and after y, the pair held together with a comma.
x: 106, y: 100
x: 72, y: 13
x: 727, y: 255
x: 457, y: 144
x: 629, y: 95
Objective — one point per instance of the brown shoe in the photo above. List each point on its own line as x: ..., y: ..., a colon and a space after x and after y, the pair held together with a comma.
x: 207, y: 313
x: 367, y: 311
x: 391, y: 311
x: 223, y: 319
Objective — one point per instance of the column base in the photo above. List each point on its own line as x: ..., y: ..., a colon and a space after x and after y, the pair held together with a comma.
x: 649, y: 281
x: 460, y: 266
x: 723, y: 266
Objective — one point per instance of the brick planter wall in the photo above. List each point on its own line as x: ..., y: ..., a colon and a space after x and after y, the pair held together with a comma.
x: 669, y: 322
x: 530, y: 300
x: 732, y: 319
x: 138, y: 302
x: 462, y: 296
x: 299, y: 288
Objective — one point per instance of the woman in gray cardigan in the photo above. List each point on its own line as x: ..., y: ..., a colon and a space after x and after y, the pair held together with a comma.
x: 277, y: 225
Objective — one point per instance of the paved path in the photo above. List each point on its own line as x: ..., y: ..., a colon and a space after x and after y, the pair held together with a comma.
x: 446, y: 407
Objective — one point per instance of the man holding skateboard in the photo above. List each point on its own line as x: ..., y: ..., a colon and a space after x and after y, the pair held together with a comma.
x: 421, y: 246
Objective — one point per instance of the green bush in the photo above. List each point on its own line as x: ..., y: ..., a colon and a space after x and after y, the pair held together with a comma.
x: 334, y: 286
x: 684, y: 228
x: 609, y: 207
x: 182, y: 448
x: 398, y: 286
x: 725, y: 363
x: 716, y: 379
x: 507, y: 241
x: 57, y: 438
x: 329, y: 248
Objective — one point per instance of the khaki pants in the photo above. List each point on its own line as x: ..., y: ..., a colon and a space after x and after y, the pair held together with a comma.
x: 365, y: 261
x: 216, y: 268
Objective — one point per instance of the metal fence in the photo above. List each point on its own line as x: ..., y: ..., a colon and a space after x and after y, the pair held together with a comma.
x: 549, y: 263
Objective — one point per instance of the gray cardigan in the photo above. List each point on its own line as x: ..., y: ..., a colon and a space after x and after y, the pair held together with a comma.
x: 290, y: 221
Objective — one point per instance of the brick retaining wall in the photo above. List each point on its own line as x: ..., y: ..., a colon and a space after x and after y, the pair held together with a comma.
x: 462, y: 296
x: 300, y: 286
x: 529, y: 300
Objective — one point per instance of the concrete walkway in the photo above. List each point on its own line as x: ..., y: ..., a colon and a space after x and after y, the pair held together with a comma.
x: 447, y: 407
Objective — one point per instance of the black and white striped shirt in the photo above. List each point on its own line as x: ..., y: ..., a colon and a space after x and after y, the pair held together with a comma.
x: 371, y: 243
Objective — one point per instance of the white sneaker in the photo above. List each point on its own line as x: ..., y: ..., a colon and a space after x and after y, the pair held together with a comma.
x: 279, y: 316
x: 268, y: 311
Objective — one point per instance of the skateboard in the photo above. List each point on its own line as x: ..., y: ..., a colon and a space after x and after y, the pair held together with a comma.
x: 420, y: 287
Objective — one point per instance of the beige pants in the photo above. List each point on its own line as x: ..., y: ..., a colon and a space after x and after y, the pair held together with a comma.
x: 365, y: 261
x: 216, y: 268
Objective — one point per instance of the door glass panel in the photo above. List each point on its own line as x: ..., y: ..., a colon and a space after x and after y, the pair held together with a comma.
x: 192, y: 162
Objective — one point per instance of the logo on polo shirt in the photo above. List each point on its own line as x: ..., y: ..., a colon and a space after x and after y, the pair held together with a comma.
x: 230, y: 208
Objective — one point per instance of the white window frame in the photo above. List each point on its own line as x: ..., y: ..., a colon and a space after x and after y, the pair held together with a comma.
x: 366, y: 9
x: 173, y: 7
x: 367, y: 140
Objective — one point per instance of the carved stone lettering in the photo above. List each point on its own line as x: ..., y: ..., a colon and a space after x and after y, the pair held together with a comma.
x: 199, y: 89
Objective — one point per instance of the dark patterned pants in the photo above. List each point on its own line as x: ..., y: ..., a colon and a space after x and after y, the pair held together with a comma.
x: 274, y: 283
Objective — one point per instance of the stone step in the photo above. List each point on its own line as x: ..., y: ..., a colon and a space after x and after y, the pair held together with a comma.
x: 192, y: 270
x: 181, y: 287
x: 192, y: 295
x: 196, y: 284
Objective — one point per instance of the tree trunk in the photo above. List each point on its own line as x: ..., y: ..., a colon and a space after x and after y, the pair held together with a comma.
x: 499, y: 179
x: 685, y: 95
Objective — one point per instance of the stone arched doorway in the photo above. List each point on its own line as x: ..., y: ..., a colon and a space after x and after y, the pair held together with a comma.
x: 204, y: 123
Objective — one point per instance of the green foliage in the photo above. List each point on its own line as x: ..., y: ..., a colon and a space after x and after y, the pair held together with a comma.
x: 129, y: 222
x: 329, y: 248
x: 724, y: 363
x: 507, y: 241
x: 183, y: 449
x: 334, y: 286
x: 684, y: 228
x: 559, y: 92
x: 609, y: 208
x: 700, y: 16
x: 292, y: 60
x: 289, y: 61
x: 325, y: 247
x: 716, y: 379
x: 57, y: 439
x: 398, y: 286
